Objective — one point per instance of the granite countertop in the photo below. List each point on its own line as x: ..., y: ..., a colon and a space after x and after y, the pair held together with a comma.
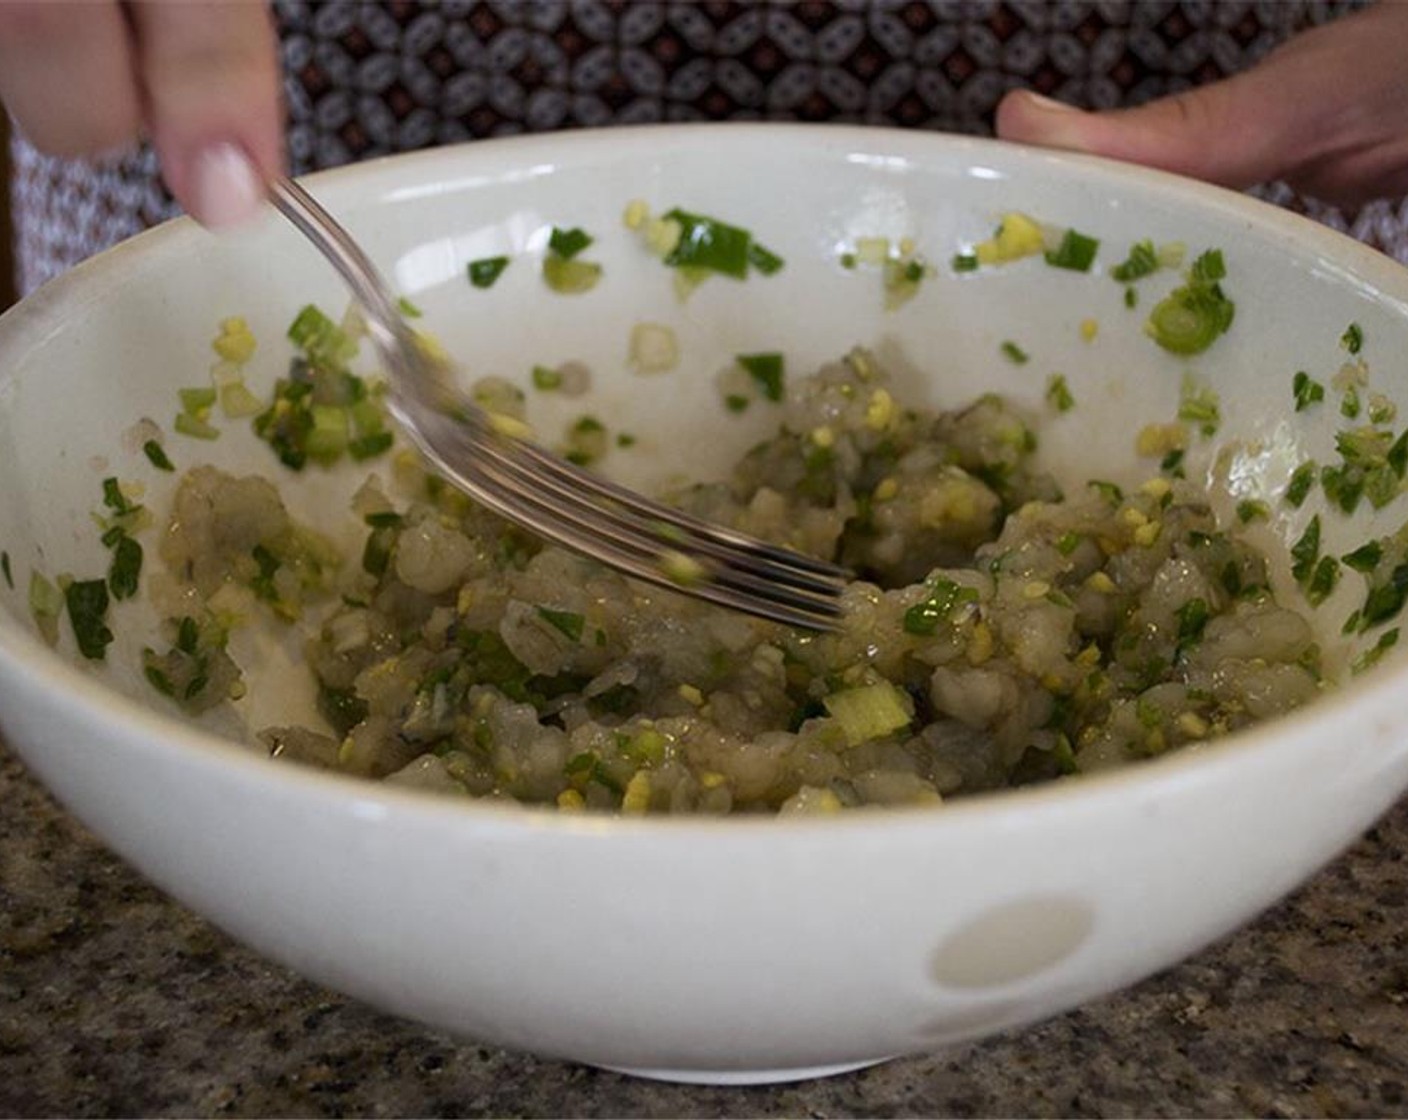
x: 114, y: 1000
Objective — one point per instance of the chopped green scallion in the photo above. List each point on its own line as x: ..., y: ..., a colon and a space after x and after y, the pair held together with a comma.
x: 1302, y: 480
x: 1107, y: 490
x: 483, y: 272
x: 1190, y: 318
x: 1371, y: 657
x: 126, y: 568
x: 1365, y: 558
x: 1353, y: 338
x: 1014, y: 353
x: 1322, y: 580
x: 196, y: 402
x: 1058, y: 393
x: 1198, y: 404
x: 764, y: 260
x: 567, y: 276
x: 87, y: 602
x: 1306, y: 390
x: 369, y: 446
x: 567, y: 243
x: 568, y: 623
x: 1250, y: 509
x: 1385, y: 600
x: 156, y: 455
x: 766, y: 370
x: 1076, y: 252
x: 1306, y: 551
x: 945, y: 598
x: 1192, y: 621
x: 189, y: 425
x: 1142, y: 260
x: 707, y: 243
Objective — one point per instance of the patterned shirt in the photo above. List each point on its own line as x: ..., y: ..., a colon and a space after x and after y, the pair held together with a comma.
x: 367, y: 79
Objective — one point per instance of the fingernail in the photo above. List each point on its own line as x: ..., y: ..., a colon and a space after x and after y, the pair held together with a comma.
x: 225, y: 189
x: 1044, y: 120
x: 1049, y: 104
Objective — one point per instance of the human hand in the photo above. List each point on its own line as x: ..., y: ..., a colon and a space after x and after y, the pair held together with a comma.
x: 200, y: 80
x: 1327, y: 112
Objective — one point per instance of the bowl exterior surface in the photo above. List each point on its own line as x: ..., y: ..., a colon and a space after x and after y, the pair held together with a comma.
x: 700, y: 949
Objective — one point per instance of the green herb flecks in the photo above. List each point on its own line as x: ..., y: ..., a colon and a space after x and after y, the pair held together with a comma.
x: 87, y: 603
x: 126, y: 568
x: 570, y: 276
x: 944, y: 601
x: 1371, y: 465
x: 1306, y: 390
x: 187, y: 672
x: 710, y: 244
x: 1306, y: 551
x: 1076, y: 252
x: 1301, y: 482
x: 764, y: 260
x: 1108, y: 490
x: 1353, y: 338
x: 1143, y: 259
x: 1058, y: 393
x: 1250, y: 509
x: 156, y: 455
x: 568, y: 623
x: 1323, y: 580
x: 320, y: 339
x: 546, y: 379
x: 1365, y: 558
x: 767, y: 372
x: 1372, y: 656
x: 1191, y: 317
x: 1014, y: 353
x: 1192, y: 621
x: 485, y: 271
x: 1198, y: 404
x: 564, y: 271
x: 322, y: 411
x: 587, y: 766
x: 1385, y: 597
x: 567, y: 243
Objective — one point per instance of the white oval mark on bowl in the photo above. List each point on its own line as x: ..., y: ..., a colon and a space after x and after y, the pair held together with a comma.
x: 1012, y: 942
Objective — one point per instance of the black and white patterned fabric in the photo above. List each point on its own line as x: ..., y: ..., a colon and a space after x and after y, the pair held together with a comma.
x: 370, y: 79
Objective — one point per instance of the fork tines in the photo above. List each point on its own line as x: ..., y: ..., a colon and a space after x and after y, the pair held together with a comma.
x: 623, y: 529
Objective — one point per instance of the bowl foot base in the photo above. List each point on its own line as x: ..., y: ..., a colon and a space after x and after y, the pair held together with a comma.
x: 744, y: 1076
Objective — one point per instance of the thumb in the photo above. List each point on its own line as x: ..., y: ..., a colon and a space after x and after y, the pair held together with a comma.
x: 1229, y: 132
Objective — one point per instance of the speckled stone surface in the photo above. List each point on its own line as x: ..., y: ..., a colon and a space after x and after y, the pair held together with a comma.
x: 115, y: 1001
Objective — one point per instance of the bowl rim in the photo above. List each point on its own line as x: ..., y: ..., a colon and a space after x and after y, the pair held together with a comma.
x: 26, y: 659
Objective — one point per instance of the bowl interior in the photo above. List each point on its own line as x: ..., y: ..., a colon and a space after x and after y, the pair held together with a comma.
x: 88, y: 358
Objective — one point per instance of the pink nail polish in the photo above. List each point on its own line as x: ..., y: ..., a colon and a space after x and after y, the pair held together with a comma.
x: 225, y: 189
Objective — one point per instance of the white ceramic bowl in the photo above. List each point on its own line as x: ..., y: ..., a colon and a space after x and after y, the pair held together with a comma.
x: 720, y: 950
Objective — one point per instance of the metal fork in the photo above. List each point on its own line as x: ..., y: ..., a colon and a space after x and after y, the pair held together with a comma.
x: 550, y: 496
